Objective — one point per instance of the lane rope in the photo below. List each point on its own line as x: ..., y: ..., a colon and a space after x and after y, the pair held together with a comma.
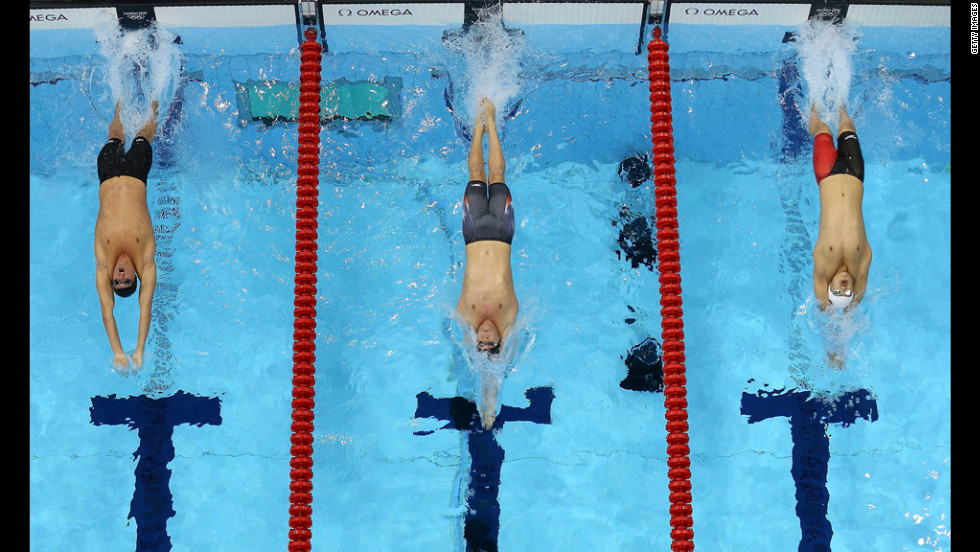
x: 672, y: 323
x: 304, y: 311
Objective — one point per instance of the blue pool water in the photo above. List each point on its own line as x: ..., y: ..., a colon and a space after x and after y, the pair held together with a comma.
x: 585, y: 471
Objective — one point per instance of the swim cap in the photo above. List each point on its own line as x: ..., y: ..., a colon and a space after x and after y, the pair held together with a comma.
x: 126, y: 291
x: 492, y: 352
x: 839, y: 301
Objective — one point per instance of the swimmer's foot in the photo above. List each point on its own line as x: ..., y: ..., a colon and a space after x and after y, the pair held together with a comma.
x: 479, y: 125
x: 489, y: 114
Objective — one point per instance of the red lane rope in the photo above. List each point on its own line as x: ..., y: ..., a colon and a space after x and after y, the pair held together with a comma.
x: 672, y: 324
x: 304, y: 311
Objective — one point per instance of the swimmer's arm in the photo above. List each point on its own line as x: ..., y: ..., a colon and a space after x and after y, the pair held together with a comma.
x: 107, y: 301
x: 861, y: 278
x: 860, y: 284
x: 820, y: 283
x: 147, y: 285
x: 507, y: 327
x: 488, y: 403
x: 506, y: 319
x: 465, y: 310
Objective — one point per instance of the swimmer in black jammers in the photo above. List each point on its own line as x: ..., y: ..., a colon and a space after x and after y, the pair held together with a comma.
x: 487, y: 300
x: 124, y: 243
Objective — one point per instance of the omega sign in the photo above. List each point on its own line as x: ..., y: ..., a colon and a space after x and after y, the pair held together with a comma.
x: 374, y: 12
x: 721, y: 12
x: 46, y: 17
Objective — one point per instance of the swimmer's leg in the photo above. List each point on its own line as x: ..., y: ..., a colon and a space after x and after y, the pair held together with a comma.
x: 497, y: 164
x: 846, y: 124
x: 115, y: 127
x: 475, y: 161
x: 824, y: 153
x: 816, y: 125
x: 149, y: 130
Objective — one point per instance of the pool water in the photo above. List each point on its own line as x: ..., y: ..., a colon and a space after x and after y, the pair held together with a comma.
x: 859, y: 457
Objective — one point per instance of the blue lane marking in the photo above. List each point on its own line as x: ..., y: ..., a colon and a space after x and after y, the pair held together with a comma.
x: 808, y: 419
x: 482, y: 521
x: 154, y: 419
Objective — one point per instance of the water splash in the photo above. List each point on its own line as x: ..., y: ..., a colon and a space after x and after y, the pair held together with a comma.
x: 824, y: 50
x: 842, y: 366
x: 142, y: 65
x: 491, y: 56
x: 479, y: 377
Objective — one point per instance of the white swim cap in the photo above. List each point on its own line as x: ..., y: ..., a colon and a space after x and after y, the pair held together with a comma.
x: 839, y: 301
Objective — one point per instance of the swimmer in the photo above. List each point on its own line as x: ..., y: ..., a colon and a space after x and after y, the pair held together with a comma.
x: 124, y: 243
x: 487, y: 301
x: 842, y: 255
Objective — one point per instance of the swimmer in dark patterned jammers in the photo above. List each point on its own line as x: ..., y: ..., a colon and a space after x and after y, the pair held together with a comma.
x: 487, y: 301
x: 124, y: 243
x: 842, y: 256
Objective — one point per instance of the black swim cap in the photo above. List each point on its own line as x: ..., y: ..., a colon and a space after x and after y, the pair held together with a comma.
x: 492, y: 351
x: 126, y: 291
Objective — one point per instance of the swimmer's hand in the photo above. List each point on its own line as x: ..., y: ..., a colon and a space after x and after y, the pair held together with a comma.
x: 488, y: 406
x: 127, y: 364
x: 488, y: 414
x: 119, y: 361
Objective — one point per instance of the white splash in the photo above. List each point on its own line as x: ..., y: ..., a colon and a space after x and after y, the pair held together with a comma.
x: 842, y: 337
x: 824, y: 50
x: 491, y: 58
x: 479, y: 377
x: 142, y: 66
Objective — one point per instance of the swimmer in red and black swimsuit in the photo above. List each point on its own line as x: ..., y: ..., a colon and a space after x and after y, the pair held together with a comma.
x: 842, y: 255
